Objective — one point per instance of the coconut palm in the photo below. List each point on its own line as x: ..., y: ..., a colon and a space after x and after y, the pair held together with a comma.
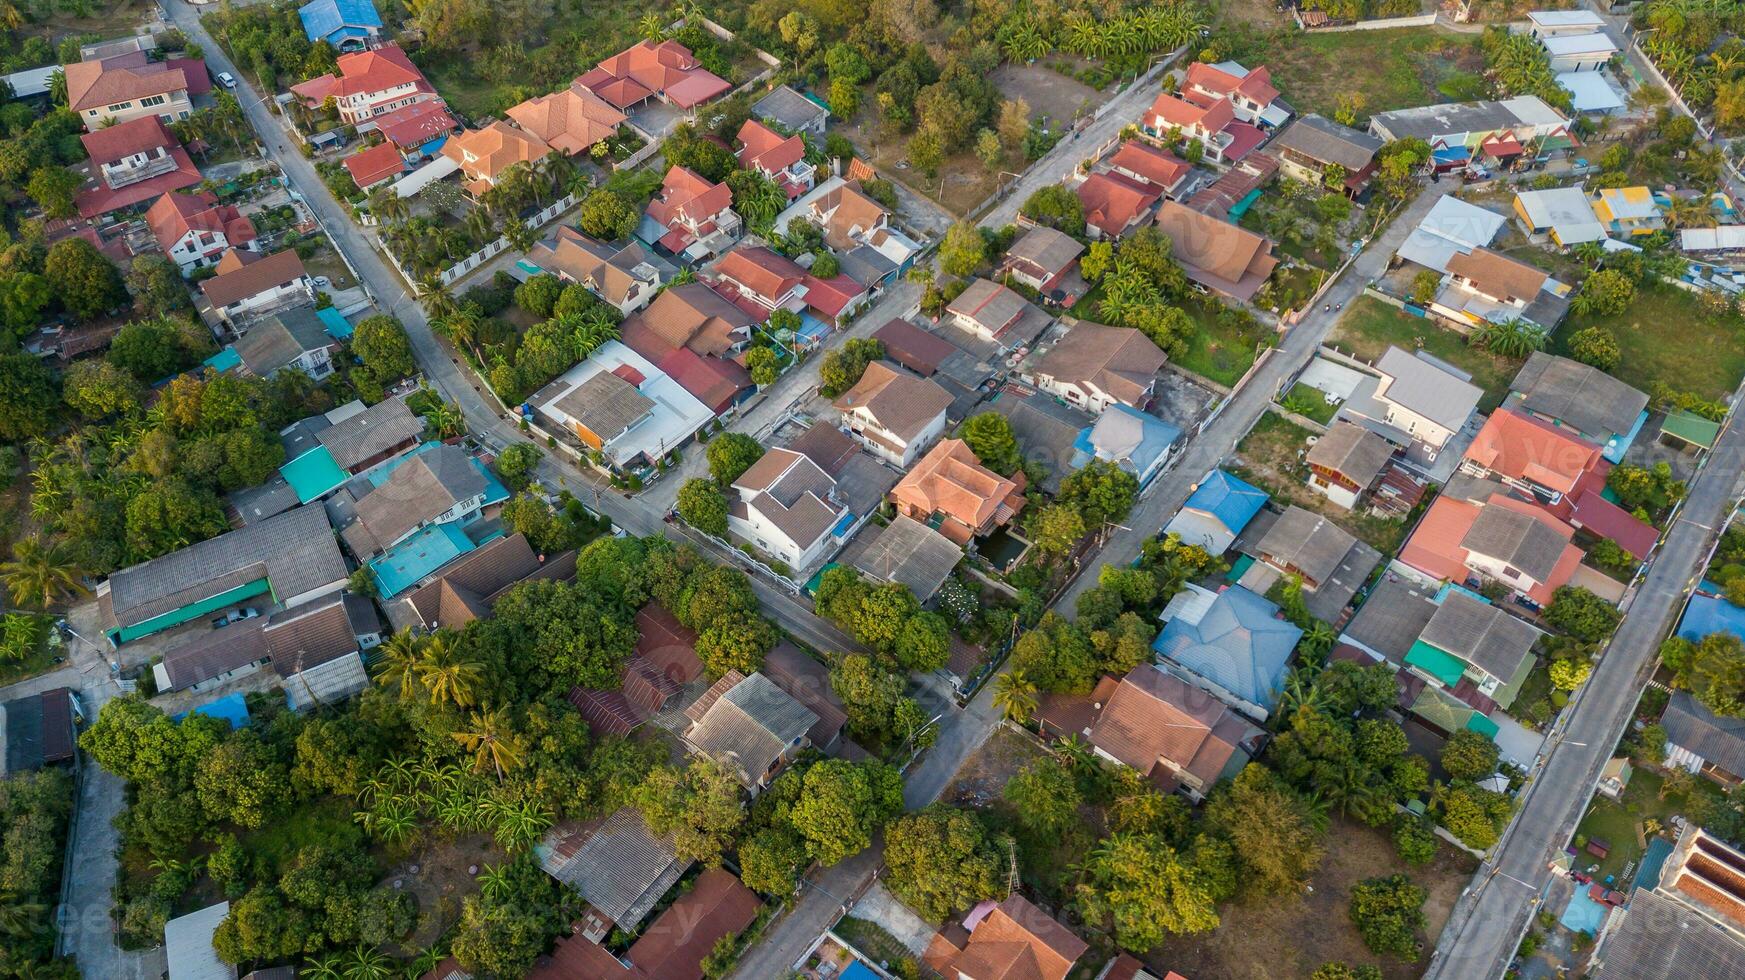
x: 520, y: 236
x: 463, y: 327
x: 397, y: 663
x: 392, y: 820
x: 1317, y: 640
x: 1024, y: 42
x: 1691, y: 212
x: 388, y: 206
x: 1015, y: 696
x: 493, y: 743
x: 494, y: 881
x: 40, y: 573
x: 446, y: 419
x: 1081, y: 36
x: 447, y: 673
x: 18, y: 914
x: 651, y: 27
x: 367, y: 963
x: 1512, y: 338
x: 329, y: 967
x: 437, y: 298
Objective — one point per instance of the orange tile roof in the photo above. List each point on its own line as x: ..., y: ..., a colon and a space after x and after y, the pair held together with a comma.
x: 1177, y: 111
x: 686, y: 196
x: 1015, y: 941
x: 141, y: 135
x: 1112, y: 202
x: 239, y: 278
x: 647, y: 68
x: 950, y: 480
x: 483, y: 154
x: 1435, y: 547
x: 375, y: 164
x: 1257, y: 84
x: 572, y: 120
x: 1155, y: 166
x: 1522, y: 447
x: 767, y: 150
x: 763, y: 272
x: 364, y: 73
x: 99, y: 84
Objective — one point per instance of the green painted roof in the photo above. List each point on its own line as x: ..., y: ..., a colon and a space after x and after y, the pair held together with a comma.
x: 1511, y: 689
x: 1441, y: 710
x: 1692, y: 429
x: 313, y: 474
x: 1482, y: 725
x: 1439, y: 664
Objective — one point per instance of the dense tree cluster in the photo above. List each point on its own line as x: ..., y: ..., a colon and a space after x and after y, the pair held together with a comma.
x: 34, y: 808
x: 886, y: 618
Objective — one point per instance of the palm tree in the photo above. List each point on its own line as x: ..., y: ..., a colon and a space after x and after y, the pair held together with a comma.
x: 493, y: 743
x: 388, y: 206
x: 41, y: 573
x: 18, y: 914
x: 400, y: 772
x: 392, y: 820
x: 1317, y: 640
x: 1301, y: 693
x: 446, y: 672
x: 329, y: 967
x: 438, y: 299
x: 1691, y: 212
x: 520, y: 824
x: 398, y: 663
x: 463, y: 326
x: 367, y: 963
x: 446, y: 419
x: 651, y: 27
x: 1512, y: 338
x: 1015, y: 696
x: 494, y: 881
x: 520, y: 236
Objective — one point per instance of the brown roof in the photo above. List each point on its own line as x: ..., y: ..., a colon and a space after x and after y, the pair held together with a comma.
x: 1119, y: 360
x: 1155, y: 717
x: 571, y: 120
x: 667, y: 644
x: 673, y: 946
x: 314, y: 633
x: 1353, y: 451
x: 950, y: 480
x: 244, y: 279
x: 1216, y: 253
x: 1306, y: 542
x: 808, y: 682
x: 215, y: 652
x: 915, y: 348
x: 690, y: 315
x: 124, y: 78
x: 1016, y: 941
x: 483, y: 154
x: 1114, y: 201
x: 991, y: 305
x: 611, y: 269
x: 761, y: 271
x: 825, y: 445
x: 461, y: 592
x: 1045, y: 251
x: 897, y: 400
x: 1495, y: 274
x: 420, y: 489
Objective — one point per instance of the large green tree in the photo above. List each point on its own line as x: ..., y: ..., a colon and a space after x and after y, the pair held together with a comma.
x: 943, y: 860
x: 84, y: 280
x: 841, y: 804
x: 1147, y: 890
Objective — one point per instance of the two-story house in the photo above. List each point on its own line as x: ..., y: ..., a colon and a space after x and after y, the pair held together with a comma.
x: 1471, y: 646
x: 664, y: 70
x: 997, y: 314
x: 894, y: 414
x: 1249, y: 92
x: 1346, y: 462
x: 1211, y: 123
x: 623, y: 274
x: 1147, y: 164
x: 131, y: 86
x: 1483, y: 287
x: 1095, y: 366
x: 763, y: 278
x: 750, y: 726
x: 289, y: 340
x: 787, y: 506
x: 1416, y: 403
x: 247, y: 284
x: 1546, y: 462
x: 437, y: 486
x: 780, y: 158
x: 369, y: 84
x: 950, y: 490
x: 572, y: 121
x: 853, y: 222
x: 1494, y: 539
x: 1115, y: 204
x: 133, y: 162
x: 695, y: 334
x: 485, y: 155
x: 1309, y: 148
x: 194, y: 230
x: 698, y: 216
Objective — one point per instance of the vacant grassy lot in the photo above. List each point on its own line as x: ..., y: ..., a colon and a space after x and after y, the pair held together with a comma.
x: 1393, y: 69
x: 1370, y: 327
x: 1666, y: 335
x: 1268, y: 458
x: 1310, y: 402
x: 1620, y: 825
x: 1290, y: 936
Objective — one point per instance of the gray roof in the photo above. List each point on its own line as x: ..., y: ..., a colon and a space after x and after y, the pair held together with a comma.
x: 276, y: 341
x: 215, y: 652
x: 270, y: 499
x: 788, y: 107
x: 371, y: 432
x: 294, y: 551
x: 619, y: 866
x: 605, y: 405
x: 1429, y: 121
x: 1393, y: 616
x: 1480, y: 634
x: 749, y: 727
x: 905, y: 551
x: 866, y: 265
x: 863, y: 483
x: 1353, y: 451
x: 1718, y: 740
x: 1583, y: 397
x: 1045, y: 430
x: 419, y: 490
x: 1306, y: 541
x: 1322, y: 139
x: 1516, y: 539
x: 1048, y: 249
x: 188, y: 945
x: 1661, y: 937
x: 797, y: 499
x: 1428, y: 389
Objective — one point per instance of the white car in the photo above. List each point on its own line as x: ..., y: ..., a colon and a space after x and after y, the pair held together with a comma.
x: 322, y: 282
x: 226, y: 79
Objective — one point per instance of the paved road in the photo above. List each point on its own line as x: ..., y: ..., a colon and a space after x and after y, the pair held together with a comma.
x: 1245, y: 407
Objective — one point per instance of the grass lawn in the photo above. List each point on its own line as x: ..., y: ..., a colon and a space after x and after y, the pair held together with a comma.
x: 40, y: 661
x: 1311, y: 403
x: 1267, y: 457
x: 1370, y: 327
x: 1219, y: 350
x: 1393, y: 69
x: 1666, y: 335
x: 872, y: 940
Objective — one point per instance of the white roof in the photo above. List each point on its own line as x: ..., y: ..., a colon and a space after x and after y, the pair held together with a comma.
x: 1531, y: 110
x: 1452, y: 226
x: 1566, y: 18
x: 1590, y: 91
x: 1725, y: 237
x: 31, y: 81
x: 1564, y: 210
x: 1572, y: 44
x: 676, y: 416
x: 188, y: 945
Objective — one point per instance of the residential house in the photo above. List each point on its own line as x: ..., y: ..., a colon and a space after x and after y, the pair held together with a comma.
x: 1232, y: 643
x: 793, y: 112
x: 39, y: 730
x: 895, y: 415
x: 852, y: 222
x: 1310, y: 147
x: 465, y: 589
x: 766, y: 279
x: 292, y: 558
x: 194, y: 230
x: 131, y: 86
x: 1500, y: 539
x: 1470, y: 646
x: 618, y: 866
x: 836, y: 299
x: 786, y: 505
x: 1011, y: 940
x: 1216, y: 512
x: 1690, y: 920
x: 212, y: 658
x: 697, y: 216
x: 572, y: 120
x: 675, y: 946
x: 1177, y: 736
x: 1417, y: 403
x: 1095, y: 366
x: 1114, y: 204
x: 1043, y: 258
x: 247, y: 284
x: 1218, y: 255
x: 440, y: 486
x: 780, y: 158
x: 352, y: 440
x: 419, y: 130
x: 1579, y: 52
x: 1346, y: 462
x: 1546, y: 462
x: 806, y: 680
x: 664, y: 661
x: 618, y: 404
x: 997, y: 315
x: 905, y: 551
x: 133, y: 162
x: 369, y: 84
x: 750, y: 726
x: 952, y: 492
x: 624, y: 275
x: 1456, y: 132
x: 1483, y: 287
x: 1304, y: 545
x: 1139, y: 161
x: 1249, y: 91
x: 1628, y: 211
x: 1562, y: 215
x: 1591, y: 93
x: 1046, y: 431
x: 1558, y: 23
x: 317, y: 648
x: 346, y: 25
x: 1223, y: 139
x: 1452, y: 227
x: 292, y: 339
x: 1580, y: 398
x: 1136, y: 441
x: 374, y: 165
x: 664, y: 70
x: 934, y: 356
x: 188, y: 949
x: 484, y: 155
x: 694, y: 334
x: 1702, y: 742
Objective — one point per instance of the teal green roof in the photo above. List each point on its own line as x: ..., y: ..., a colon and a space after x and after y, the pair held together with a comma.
x: 313, y: 474
x: 1692, y: 429
x: 1439, y: 664
x: 1482, y: 725
x: 417, y: 556
x: 225, y: 360
x: 337, y: 326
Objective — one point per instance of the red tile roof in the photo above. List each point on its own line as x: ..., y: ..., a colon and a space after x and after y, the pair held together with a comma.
x: 98, y: 84
x: 364, y: 73
x: 1152, y: 165
x: 1435, y: 547
x: 831, y: 296
x: 714, y: 381
x: 1177, y: 111
x: 102, y: 199
x: 1522, y: 447
x: 648, y: 68
x: 572, y: 120
x: 239, y: 278
x: 1112, y: 202
x: 375, y: 164
x: 767, y: 150
x: 140, y: 135
x: 175, y: 215
x: 685, y: 195
x: 763, y: 272
x: 1256, y: 85
x: 1595, y: 513
x: 411, y: 126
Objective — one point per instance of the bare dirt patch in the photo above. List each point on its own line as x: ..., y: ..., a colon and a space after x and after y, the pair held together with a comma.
x: 1047, y: 92
x: 1290, y: 937
x: 983, y: 776
x: 442, y: 879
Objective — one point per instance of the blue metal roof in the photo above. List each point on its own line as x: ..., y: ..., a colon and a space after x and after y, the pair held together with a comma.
x: 1233, y: 502
x: 1708, y: 614
x: 322, y: 18
x: 231, y: 708
x: 337, y: 326
x: 1240, y: 644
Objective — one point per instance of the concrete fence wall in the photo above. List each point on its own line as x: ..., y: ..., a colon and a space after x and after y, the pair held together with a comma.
x: 1383, y: 24
x: 460, y: 269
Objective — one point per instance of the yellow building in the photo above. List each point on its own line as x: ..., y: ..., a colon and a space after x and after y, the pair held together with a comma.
x: 1628, y: 211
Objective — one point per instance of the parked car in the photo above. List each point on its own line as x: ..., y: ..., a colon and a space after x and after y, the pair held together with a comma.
x: 226, y: 79
x: 323, y: 282
x: 235, y: 616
